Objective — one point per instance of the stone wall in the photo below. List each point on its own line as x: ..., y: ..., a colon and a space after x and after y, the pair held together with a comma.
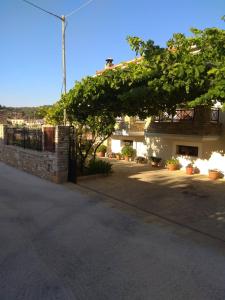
x: 48, y: 165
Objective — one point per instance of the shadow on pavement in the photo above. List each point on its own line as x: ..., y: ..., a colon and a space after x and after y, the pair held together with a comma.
x: 193, y: 201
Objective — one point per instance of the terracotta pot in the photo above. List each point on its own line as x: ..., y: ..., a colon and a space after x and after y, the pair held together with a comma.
x: 189, y: 170
x: 214, y: 175
x: 172, y: 167
x: 126, y: 158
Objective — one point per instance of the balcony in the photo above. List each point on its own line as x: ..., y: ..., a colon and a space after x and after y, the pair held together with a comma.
x: 124, y: 128
x: 200, y: 121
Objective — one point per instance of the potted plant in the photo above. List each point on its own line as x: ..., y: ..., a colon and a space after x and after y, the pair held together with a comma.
x: 155, y: 161
x: 190, y: 169
x: 214, y: 174
x: 101, y: 151
x: 128, y: 152
x: 172, y: 164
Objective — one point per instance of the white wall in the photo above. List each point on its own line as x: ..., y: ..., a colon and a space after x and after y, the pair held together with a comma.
x: 216, y: 146
x: 165, y: 148
x: 159, y: 146
x: 141, y: 149
x: 115, y: 145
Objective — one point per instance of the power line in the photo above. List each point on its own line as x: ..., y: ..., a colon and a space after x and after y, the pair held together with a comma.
x: 64, y: 26
x: 79, y: 8
x: 48, y: 12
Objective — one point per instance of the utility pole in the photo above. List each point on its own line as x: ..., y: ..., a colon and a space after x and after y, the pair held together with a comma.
x: 64, y: 63
x: 64, y: 52
x: 63, y: 20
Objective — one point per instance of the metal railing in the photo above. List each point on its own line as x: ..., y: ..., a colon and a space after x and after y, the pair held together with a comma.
x: 185, y: 115
x: 180, y: 115
x: 31, y: 138
x: 121, y: 127
x: 27, y: 138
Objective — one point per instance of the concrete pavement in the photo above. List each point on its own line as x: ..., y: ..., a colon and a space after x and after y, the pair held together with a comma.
x: 194, y: 201
x: 58, y: 243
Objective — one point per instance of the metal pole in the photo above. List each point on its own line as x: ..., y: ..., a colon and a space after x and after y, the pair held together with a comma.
x: 64, y: 63
x: 63, y: 54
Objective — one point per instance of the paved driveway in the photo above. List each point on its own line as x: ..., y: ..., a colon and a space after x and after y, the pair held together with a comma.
x: 57, y: 243
x: 193, y: 201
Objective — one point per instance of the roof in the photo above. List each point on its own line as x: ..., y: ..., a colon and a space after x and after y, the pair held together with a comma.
x: 121, y: 65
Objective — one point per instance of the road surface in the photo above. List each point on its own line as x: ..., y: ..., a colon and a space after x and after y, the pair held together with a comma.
x: 58, y: 243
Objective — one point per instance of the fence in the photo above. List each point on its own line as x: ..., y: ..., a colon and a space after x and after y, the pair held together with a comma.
x: 48, y: 157
x: 31, y: 138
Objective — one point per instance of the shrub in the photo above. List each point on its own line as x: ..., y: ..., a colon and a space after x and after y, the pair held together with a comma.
x: 155, y: 159
x: 128, y: 151
x: 140, y: 160
x: 99, y: 167
x: 190, y: 165
x: 102, y: 148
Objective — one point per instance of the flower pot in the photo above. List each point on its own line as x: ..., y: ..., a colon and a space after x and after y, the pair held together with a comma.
x: 214, y: 175
x: 172, y: 167
x: 126, y: 158
x: 189, y: 170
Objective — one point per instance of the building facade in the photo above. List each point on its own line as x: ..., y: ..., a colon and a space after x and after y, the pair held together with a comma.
x: 196, y: 133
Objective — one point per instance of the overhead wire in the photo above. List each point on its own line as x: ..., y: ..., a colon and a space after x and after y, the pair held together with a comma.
x: 59, y: 17
x: 46, y: 11
x: 66, y: 16
x: 79, y: 8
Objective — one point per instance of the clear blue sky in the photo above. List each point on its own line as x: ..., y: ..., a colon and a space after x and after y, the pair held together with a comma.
x: 30, y: 51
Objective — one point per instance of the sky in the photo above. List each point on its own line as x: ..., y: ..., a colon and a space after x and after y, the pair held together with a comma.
x: 30, y: 47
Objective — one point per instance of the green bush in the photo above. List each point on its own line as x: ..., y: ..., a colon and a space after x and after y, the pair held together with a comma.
x: 155, y: 159
x: 102, y: 148
x: 99, y: 167
x: 128, y: 151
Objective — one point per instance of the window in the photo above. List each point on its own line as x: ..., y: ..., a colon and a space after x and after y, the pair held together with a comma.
x: 187, y: 150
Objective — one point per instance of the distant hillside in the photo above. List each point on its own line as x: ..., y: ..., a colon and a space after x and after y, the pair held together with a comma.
x: 24, y: 112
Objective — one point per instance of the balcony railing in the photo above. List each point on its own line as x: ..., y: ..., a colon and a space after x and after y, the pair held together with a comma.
x: 127, y: 128
x: 199, y: 121
x: 180, y: 115
x: 185, y: 115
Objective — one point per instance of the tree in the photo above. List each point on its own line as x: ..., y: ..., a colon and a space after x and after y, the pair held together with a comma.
x: 190, y: 71
x: 42, y: 111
